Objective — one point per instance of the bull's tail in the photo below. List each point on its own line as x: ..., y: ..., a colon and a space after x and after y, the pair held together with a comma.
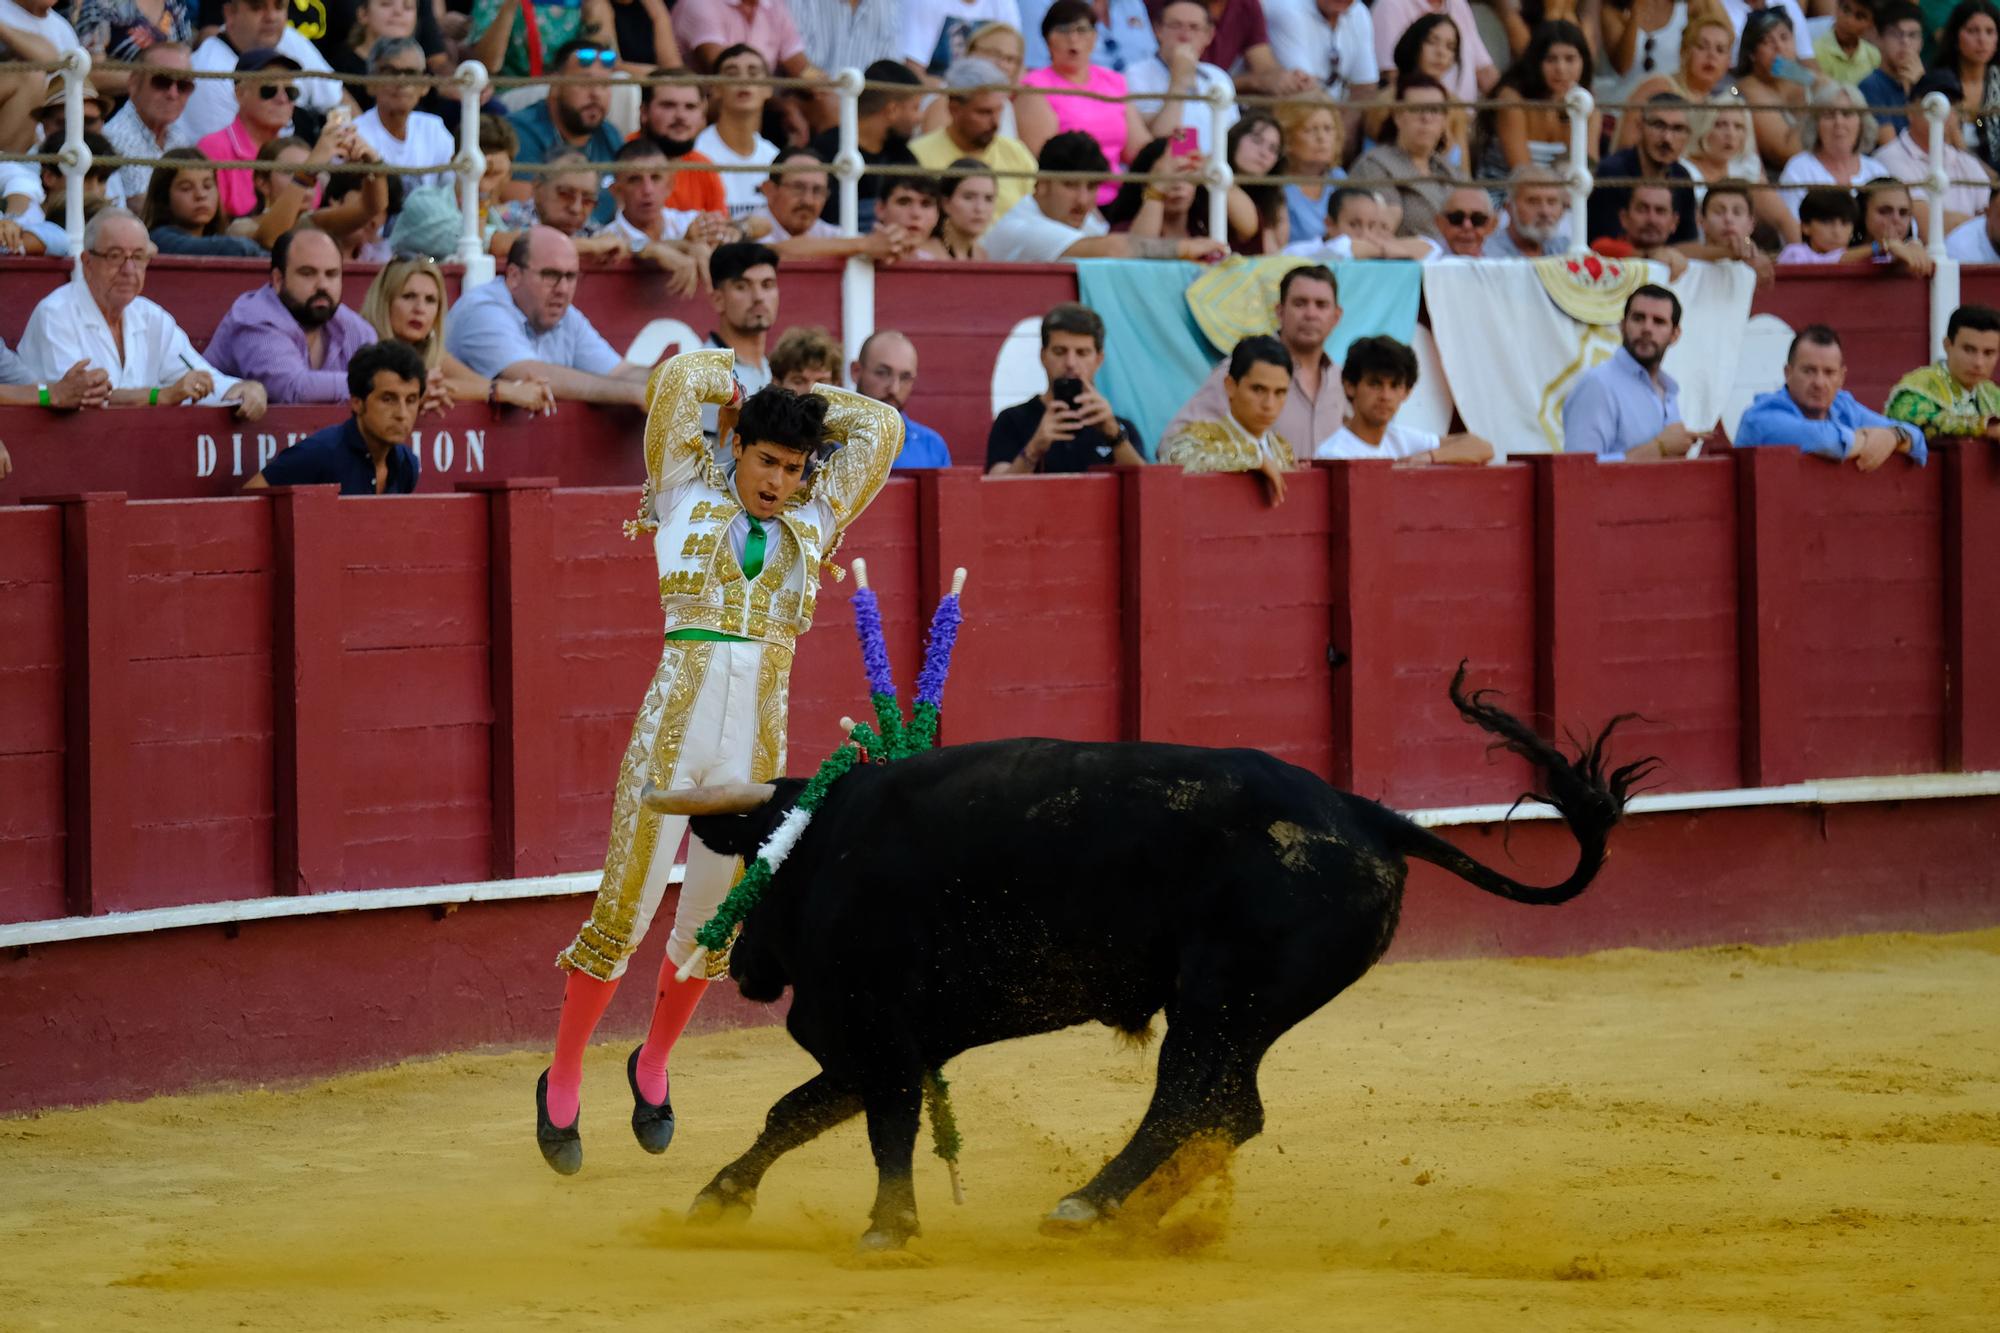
x: 1590, y: 800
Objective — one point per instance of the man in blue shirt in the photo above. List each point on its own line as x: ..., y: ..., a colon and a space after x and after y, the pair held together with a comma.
x: 1813, y: 412
x: 572, y: 116
x: 1899, y: 32
x: 369, y: 453
x: 886, y: 371
x: 1629, y: 408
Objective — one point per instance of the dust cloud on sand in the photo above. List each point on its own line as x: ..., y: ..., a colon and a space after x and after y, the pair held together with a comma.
x: 1719, y: 1139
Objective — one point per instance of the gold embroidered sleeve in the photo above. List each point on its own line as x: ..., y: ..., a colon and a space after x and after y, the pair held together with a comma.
x: 1209, y: 446
x: 870, y: 435
x: 676, y: 450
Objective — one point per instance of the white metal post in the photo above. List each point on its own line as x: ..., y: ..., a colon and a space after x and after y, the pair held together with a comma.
x: 470, y: 77
x: 857, y: 305
x: 75, y: 156
x: 1579, y: 104
x: 1937, y: 110
x: 847, y: 163
x: 1221, y: 102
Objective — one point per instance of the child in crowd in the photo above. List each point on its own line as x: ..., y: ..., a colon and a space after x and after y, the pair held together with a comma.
x: 1378, y: 374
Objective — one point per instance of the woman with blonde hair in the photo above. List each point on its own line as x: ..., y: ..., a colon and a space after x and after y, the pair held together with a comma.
x: 1719, y: 148
x: 407, y: 302
x: 1706, y: 44
x: 1312, y: 139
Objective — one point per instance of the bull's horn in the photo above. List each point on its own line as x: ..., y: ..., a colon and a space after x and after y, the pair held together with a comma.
x: 731, y: 798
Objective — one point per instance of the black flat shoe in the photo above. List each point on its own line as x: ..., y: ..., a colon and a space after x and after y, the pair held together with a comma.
x: 562, y: 1148
x: 652, y: 1125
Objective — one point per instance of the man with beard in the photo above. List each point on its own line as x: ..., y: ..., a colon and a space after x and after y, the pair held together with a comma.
x: 1645, y: 223
x: 1316, y: 405
x: 884, y: 122
x: 1537, y: 199
x: 294, y: 335
x: 1628, y: 408
x: 674, y: 115
x: 572, y: 116
x: 973, y: 130
x: 743, y: 279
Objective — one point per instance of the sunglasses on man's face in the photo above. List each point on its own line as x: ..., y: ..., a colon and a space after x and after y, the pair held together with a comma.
x: 285, y: 90
x: 595, y: 55
x: 1459, y: 217
x: 168, y: 83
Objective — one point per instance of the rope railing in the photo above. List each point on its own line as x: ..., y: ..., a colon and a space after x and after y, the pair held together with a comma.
x: 472, y: 81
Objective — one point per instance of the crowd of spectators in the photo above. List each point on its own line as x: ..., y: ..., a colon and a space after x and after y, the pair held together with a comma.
x: 1767, y: 136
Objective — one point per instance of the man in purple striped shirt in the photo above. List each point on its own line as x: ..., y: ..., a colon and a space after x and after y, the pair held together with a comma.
x: 293, y: 335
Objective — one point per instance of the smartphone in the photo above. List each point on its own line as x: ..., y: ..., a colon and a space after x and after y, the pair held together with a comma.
x: 1183, y: 142
x: 1066, y: 390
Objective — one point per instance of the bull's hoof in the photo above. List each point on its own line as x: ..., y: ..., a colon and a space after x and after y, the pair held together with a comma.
x: 561, y: 1145
x: 722, y: 1203
x: 1071, y: 1217
x: 880, y: 1249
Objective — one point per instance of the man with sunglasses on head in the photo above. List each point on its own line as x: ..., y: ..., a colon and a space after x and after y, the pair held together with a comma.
x: 574, y: 116
x: 527, y: 324
x: 257, y: 25
x: 99, y: 317
x: 153, y: 118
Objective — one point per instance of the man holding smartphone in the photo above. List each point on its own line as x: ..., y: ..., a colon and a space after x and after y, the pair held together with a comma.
x: 1070, y: 427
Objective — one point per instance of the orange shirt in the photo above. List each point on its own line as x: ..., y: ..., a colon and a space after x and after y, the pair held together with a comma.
x: 696, y: 191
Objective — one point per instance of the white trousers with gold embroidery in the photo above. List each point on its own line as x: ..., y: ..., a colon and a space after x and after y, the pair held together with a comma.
x: 715, y: 713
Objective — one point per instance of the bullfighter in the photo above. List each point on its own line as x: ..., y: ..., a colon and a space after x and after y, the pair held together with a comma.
x: 740, y: 545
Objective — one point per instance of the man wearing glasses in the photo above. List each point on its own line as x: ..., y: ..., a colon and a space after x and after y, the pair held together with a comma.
x: 99, y: 317
x: 1465, y: 221
x: 1663, y: 137
x: 793, y: 204
x: 572, y: 117
x: 153, y: 119
x: 528, y: 324
x: 247, y: 26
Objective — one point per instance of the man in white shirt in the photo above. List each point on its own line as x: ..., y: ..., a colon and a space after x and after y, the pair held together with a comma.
x: 251, y: 25
x: 153, y: 118
x: 1182, y: 30
x: 30, y: 30
x: 935, y: 31
x: 1332, y: 40
x: 736, y: 137
x: 794, y: 204
x: 657, y: 235
x: 1537, y: 202
x: 1907, y: 156
x: 100, y: 317
x: 1378, y: 374
x: 393, y: 127
x: 1974, y: 241
x: 1060, y: 221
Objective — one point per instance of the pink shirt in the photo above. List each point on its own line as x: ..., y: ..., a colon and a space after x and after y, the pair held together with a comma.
x: 236, y: 189
x: 1392, y: 20
x: 1102, y: 121
x: 764, y: 24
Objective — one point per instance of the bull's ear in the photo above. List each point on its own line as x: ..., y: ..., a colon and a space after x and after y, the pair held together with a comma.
x: 735, y: 798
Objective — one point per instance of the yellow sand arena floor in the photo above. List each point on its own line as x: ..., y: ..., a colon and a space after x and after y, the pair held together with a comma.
x: 1721, y: 1139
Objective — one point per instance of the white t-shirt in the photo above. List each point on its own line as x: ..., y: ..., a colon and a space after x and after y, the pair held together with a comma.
x: 51, y: 27
x: 1151, y: 76
x: 1026, y: 235
x: 935, y: 31
x: 1339, y: 56
x: 1339, y: 248
x: 820, y: 229
x: 1397, y: 442
x: 738, y: 187
x: 1968, y: 243
x: 213, y: 104
x: 425, y: 143
x: 1805, y: 169
x: 674, y: 224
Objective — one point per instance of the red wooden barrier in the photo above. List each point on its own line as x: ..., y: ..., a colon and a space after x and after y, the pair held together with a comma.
x: 294, y: 693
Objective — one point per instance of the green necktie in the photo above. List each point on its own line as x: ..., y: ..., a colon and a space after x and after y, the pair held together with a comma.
x: 753, y: 549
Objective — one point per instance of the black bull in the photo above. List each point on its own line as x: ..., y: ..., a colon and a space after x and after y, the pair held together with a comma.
x: 981, y: 892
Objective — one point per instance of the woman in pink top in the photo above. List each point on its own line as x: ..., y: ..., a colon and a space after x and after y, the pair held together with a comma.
x: 1070, y: 28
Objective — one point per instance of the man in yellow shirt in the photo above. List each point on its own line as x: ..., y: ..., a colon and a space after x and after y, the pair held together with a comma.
x: 974, y: 131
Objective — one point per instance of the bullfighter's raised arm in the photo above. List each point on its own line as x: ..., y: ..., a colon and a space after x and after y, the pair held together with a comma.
x: 869, y: 435
x: 676, y: 449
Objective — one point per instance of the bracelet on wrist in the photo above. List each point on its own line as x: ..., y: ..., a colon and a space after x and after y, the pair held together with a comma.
x: 153, y: 398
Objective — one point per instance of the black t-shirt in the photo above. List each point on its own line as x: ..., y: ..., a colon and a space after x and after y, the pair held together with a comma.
x: 895, y: 153
x: 1608, y: 201
x: 1013, y: 428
